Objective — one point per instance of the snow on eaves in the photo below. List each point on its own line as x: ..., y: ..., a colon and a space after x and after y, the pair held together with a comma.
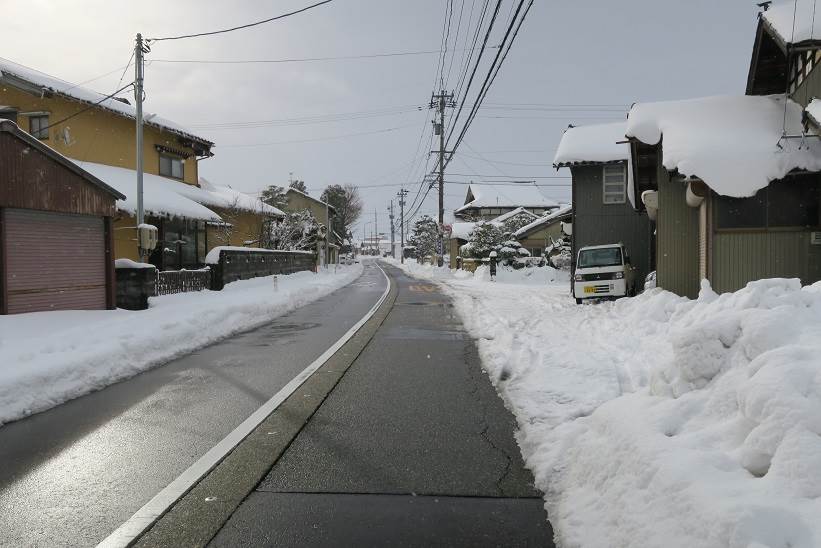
x: 461, y: 231
x: 209, y: 194
x: 600, y: 143
x: 779, y: 18
x: 544, y: 221
x: 522, y: 195
x: 161, y: 196
x: 513, y: 213
x: 78, y: 93
x: 729, y: 142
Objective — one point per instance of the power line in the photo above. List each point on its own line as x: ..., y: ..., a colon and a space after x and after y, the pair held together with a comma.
x: 211, y: 33
x: 306, y: 120
x: 297, y: 59
x: 386, y: 130
x: 89, y: 107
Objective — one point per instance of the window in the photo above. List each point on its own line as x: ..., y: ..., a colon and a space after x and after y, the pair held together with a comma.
x: 171, y: 166
x: 38, y: 127
x: 614, y: 184
x: 793, y: 202
x: 595, y: 258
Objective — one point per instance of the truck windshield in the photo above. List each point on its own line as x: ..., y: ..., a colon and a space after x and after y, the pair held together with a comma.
x: 607, y: 256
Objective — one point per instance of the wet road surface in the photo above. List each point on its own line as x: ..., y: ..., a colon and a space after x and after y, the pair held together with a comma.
x: 71, y: 475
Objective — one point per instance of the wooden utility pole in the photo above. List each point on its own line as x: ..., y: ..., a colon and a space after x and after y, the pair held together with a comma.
x: 441, y: 101
x: 402, y: 193
x: 393, y: 244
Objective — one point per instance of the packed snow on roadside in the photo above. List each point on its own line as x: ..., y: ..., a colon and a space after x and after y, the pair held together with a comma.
x: 658, y: 420
x: 47, y: 358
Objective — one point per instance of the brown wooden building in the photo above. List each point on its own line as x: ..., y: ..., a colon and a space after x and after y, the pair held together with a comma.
x: 56, y: 235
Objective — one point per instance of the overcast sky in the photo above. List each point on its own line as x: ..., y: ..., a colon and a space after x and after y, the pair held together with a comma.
x: 598, y: 56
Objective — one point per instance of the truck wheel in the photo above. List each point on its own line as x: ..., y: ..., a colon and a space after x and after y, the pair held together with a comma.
x: 578, y: 301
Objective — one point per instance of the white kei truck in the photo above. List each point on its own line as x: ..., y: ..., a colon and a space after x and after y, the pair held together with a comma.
x: 603, y: 272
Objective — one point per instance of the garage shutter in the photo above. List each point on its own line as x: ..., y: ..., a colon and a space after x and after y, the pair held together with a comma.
x: 54, y: 261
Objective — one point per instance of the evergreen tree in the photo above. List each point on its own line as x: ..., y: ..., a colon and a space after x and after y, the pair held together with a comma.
x: 486, y: 237
x: 424, y: 236
x: 274, y: 196
x: 300, y: 186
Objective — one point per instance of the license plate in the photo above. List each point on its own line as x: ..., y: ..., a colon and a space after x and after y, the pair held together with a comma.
x: 589, y: 289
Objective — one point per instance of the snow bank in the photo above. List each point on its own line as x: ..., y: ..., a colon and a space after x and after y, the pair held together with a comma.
x: 657, y: 420
x: 88, y: 350
x: 729, y: 142
x: 128, y: 263
x: 597, y: 143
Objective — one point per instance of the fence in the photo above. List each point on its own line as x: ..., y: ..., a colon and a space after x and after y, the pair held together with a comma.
x: 182, y: 281
x: 232, y: 264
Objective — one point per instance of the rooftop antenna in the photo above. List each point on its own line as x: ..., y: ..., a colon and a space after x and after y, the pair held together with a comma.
x: 765, y: 5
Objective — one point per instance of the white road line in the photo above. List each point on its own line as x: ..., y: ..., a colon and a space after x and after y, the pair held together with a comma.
x: 145, y: 517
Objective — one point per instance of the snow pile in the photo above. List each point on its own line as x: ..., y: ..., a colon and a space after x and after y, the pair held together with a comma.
x: 793, y: 21
x: 731, y: 143
x: 598, y: 143
x: 161, y: 196
x: 89, y: 350
x: 128, y: 263
x: 657, y: 420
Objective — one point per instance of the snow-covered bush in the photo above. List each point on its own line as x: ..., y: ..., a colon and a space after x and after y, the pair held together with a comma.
x: 298, y: 231
x: 486, y: 237
x: 510, y: 250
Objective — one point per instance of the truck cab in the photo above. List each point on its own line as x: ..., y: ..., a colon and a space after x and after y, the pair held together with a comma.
x: 603, y: 271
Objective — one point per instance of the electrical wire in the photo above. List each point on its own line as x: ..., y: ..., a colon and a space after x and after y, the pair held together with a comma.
x: 306, y: 120
x: 211, y: 33
x: 386, y: 130
x: 89, y: 107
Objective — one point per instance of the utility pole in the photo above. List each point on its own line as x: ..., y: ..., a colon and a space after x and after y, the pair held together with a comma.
x: 393, y: 244
x: 138, y: 97
x: 375, y: 232
x: 402, y: 193
x: 441, y: 101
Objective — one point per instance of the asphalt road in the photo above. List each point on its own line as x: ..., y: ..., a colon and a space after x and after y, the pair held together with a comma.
x: 413, y: 447
x: 71, y: 475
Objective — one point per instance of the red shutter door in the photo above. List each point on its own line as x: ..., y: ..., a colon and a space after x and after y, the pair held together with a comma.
x: 55, y: 261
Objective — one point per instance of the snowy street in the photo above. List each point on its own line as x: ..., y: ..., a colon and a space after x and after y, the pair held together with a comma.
x: 642, y: 417
x: 74, y: 473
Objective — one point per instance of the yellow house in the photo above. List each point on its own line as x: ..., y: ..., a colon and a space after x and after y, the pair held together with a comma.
x: 98, y: 133
x: 322, y: 212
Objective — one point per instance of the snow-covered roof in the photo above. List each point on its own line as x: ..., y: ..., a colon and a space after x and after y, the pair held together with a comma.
x: 209, y: 194
x: 544, y: 221
x: 520, y: 195
x: 461, y: 231
x: 729, y: 142
x: 295, y: 191
x: 779, y: 18
x: 161, y: 196
x: 10, y: 71
x: 592, y: 144
x: 813, y: 111
x: 513, y: 213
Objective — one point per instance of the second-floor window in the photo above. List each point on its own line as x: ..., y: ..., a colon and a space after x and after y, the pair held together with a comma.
x: 171, y: 166
x: 38, y: 127
x: 614, y: 184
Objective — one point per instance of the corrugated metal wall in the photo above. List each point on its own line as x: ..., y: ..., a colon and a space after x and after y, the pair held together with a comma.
x: 597, y: 223
x: 740, y: 257
x: 677, y: 237
x: 54, y: 261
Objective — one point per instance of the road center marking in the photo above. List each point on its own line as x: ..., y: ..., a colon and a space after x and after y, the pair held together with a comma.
x: 154, y: 509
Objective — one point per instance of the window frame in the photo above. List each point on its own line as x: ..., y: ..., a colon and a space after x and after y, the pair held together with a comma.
x: 38, y: 134
x: 605, y: 183
x: 171, y: 158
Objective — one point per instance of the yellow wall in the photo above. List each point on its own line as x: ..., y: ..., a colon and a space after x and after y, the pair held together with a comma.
x: 298, y: 202
x: 125, y: 237
x: 247, y: 226
x: 97, y: 135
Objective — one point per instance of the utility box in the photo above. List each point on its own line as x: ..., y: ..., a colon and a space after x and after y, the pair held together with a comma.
x: 147, y: 236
